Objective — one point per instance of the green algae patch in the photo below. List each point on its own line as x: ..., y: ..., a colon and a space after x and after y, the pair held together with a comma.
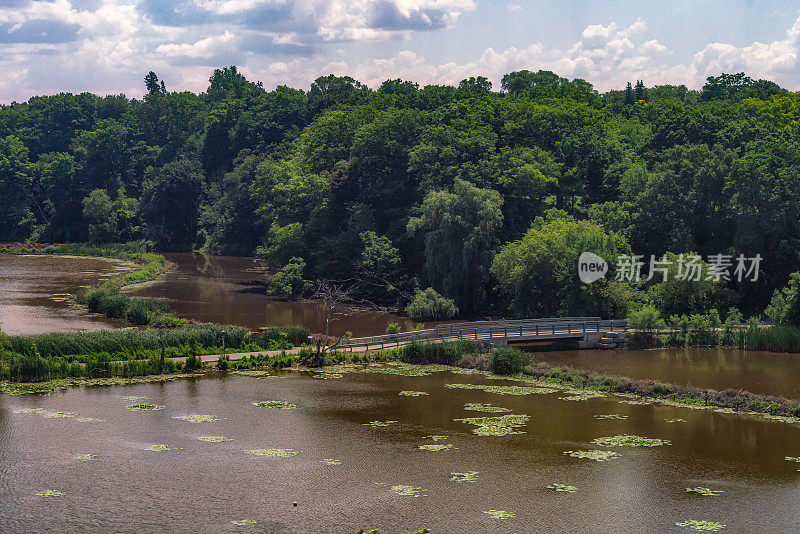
x: 502, y: 425
x: 214, y: 439
x: 597, y: 456
x: 278, y: 405
x: 87, y: 457
x: 467, y: 371
x: 412, y: 393
x: 437, y: 447
x: 611, y: 416
x: 401, y: 369
x: 701, y: 526
x: 133, y: 398
x: 379, y: 423
x: 50, y: 493
x: 197, y: 418
x: 563, y: 488
x: 28, y: 388
x: 625, y: 440
x: 279, y: 453
x: 158, y: 447
x: 486, y: 408
x: 330, y: 461
x: 582, y: 395
x: 503, y: 390
x: 145, y: 407
x: 706, y: 492
x: 676, y: 420
x: 437, y: 438
x: 242, y: 522
x: 254, y: 373
x: 328, y: 376
x: 499, y: 514
x: 61, y: 415
x: 405, y: 490
x: 466, y: 476
x: 31, y: 410
x: 89, y: 420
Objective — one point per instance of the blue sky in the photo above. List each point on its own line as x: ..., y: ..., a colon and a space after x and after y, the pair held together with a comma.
x: 107, y: 46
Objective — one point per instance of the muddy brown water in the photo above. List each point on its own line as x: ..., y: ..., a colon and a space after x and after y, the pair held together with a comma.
x: 767, y: 373
x: 230, y: 290
x: 37, y: 293
x: 202, y: 487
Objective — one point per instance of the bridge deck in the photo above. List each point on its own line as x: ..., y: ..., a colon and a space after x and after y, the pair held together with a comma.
x: 500, y: 332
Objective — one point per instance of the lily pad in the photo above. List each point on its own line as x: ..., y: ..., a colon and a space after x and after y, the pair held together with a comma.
x: 625, y: 440
x: 437, y: 438
x: 437, y: 447
x: 486, y: 408
x: 706, y: 492
x: 31, y: 410
x: 330, y: 461
x: 281, y: 453
x: 242, y: 522
x: 676, y: 420
x: 597, y: 456
x: 214, y: 439
x: 87, y: 457
x: 499, y: 514
x: 502, y: 425
x: 467, y: 476
x: 65, y: 415
x: 328, y: 376
x: 50, y: 493
x: 702, y: 526
x: 379, y: 423
x: 412, y: 393
x: 563, y: 488
x: 161, y: 447
x: 145, y: 407
x: 198, y: 418
x: 614, y: 416
x: 279, y: 405
x: 582, y: 396
x: 134, y: 397
x: 406, y: 490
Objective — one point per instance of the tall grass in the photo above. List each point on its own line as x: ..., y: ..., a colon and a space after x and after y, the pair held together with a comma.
x: 774, y: 338
x: 445, y: 352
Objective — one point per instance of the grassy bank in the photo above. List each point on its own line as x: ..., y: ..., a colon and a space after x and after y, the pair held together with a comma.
x: 128, y: 353
x: 150, y: 265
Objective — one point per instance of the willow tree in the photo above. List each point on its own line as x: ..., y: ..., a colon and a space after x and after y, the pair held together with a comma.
x: 461, y: 230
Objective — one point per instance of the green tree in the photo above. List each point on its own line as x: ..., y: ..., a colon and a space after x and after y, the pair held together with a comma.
x: 100, y: 216
x: 428, y: 305
x: 288, y: 281
x: 171, y: 204
x: 461, y: 232
x: 538, y: 274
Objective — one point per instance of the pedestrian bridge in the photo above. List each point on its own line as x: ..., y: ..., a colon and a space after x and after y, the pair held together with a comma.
x: 588, y: 332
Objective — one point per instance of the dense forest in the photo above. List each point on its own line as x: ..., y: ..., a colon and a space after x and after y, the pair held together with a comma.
x: 486, y: 196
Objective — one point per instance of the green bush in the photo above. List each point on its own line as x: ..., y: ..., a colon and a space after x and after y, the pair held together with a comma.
x: 428, y: 305
x: 193, y: 363
x: 507, y: 361
x: 393, y: 328
x: 223, y: 362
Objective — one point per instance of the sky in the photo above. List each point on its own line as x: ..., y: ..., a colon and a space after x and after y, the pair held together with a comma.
x: 108, y: 46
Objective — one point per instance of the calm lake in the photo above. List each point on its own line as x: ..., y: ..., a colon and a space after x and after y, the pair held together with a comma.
x: 200, y: 486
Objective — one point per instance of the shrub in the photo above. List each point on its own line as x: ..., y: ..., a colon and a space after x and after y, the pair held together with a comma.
x: 288, y: 281
x: 223, y: 363
x: 507, y: 361
x: 428, y: 305
x: 393, y: 328
x: 193, y: 363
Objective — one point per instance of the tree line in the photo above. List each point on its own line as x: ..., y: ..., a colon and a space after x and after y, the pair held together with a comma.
x: 487, y: 196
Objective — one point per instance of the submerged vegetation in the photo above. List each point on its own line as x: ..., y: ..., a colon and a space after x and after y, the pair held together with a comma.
x: 625, y: 440
x: 502, y: 425
x: 597, y: 456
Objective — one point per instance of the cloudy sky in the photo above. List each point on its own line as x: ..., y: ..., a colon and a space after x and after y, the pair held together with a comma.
x: 107, y: 46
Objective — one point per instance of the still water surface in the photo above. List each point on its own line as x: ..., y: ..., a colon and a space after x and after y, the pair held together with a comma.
x: 202, y: 487
x: 37, y: 293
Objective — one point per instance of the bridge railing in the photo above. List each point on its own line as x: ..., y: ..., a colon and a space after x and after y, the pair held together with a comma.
x: 488, y: 330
